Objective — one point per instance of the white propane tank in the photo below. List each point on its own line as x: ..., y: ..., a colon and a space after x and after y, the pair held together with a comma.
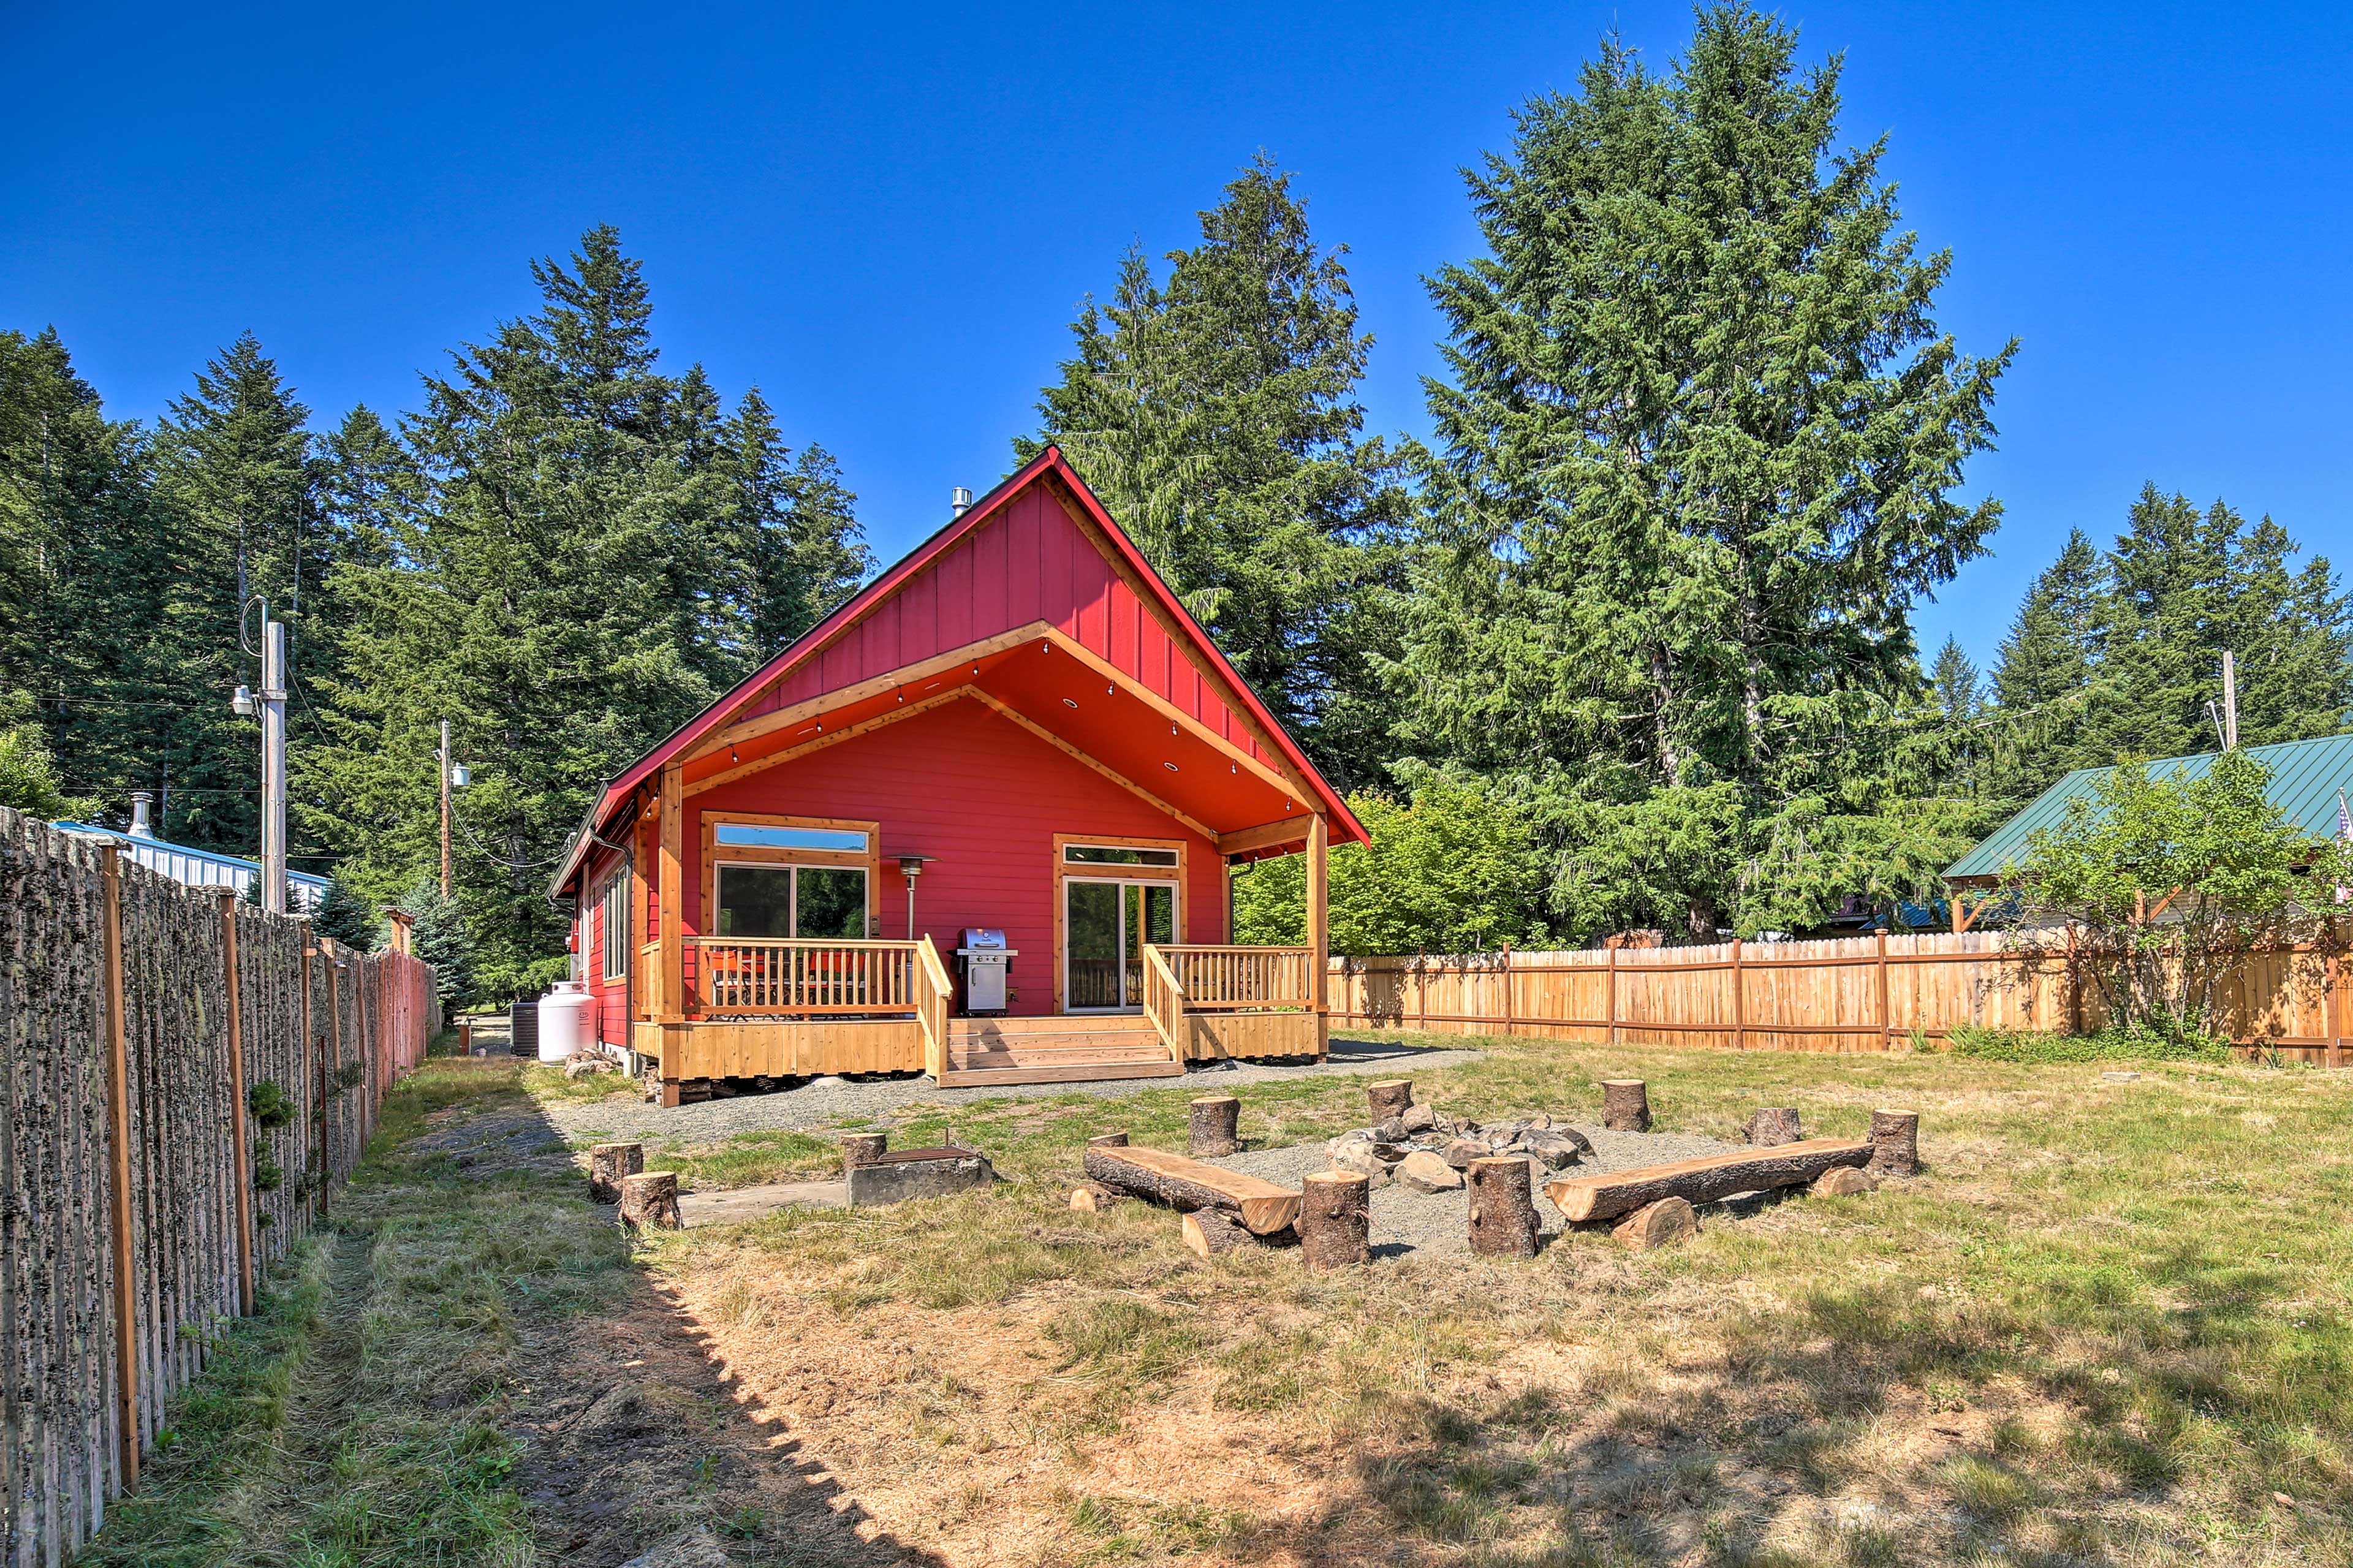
x: 564, y: 1021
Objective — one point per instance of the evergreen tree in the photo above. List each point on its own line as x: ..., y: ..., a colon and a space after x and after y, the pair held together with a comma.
x: 566, y: 555
x: 1216, y: 415
x: 234, y: 473
x: 2047, y: 657
x: 1700, y: 438
x: 345, y: 915
x: 792, y: 528
x: 86, y: 565
x: 441, y: 939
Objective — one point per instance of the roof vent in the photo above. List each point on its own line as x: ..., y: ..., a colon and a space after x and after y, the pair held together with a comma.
x: 142, y: 803
x: 959, y: 502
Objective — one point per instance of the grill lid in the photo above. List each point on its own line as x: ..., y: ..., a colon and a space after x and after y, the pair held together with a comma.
x: 974, y: 937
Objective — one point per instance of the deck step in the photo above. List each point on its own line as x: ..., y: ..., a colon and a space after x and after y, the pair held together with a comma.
x: 1079, y: 1043
x: 1071, y: 1024
x: 1088, y: 1072
x: 1025, y: 1057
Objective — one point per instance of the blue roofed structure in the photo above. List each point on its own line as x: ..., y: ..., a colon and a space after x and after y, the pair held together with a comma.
x: 203, y: 868
x: 2305, y: 778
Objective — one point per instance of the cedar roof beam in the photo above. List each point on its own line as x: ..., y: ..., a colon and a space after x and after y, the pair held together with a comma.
x: 1266, y: 836
x: 875, y: 686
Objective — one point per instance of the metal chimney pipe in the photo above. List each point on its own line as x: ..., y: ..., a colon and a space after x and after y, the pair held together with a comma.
x: 142, y: 802
x: 959, y: 502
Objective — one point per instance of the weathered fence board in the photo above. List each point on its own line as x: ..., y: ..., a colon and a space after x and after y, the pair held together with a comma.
x: 63, y: 1452
x: 1866, y: 994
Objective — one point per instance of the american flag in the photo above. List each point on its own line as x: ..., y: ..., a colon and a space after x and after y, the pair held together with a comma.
x: 2345, y: 832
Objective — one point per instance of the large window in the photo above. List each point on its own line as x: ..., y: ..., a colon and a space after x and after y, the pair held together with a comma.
x: 613, y: 900
x: 813, y: 901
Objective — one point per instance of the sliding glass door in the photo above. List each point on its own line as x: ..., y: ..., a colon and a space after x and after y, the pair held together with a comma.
x: 1105, y: 925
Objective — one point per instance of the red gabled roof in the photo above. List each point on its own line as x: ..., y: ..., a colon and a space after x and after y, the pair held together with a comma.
x: 1199, y: 649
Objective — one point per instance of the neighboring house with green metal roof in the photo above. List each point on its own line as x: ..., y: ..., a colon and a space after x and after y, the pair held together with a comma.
x: 2305, y: 777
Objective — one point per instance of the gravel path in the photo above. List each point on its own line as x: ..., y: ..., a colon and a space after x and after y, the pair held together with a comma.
x: 1437, y: 1224
x: 827, y: 1100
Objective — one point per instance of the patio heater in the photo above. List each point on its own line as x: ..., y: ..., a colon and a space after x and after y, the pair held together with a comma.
x: 912, y: 865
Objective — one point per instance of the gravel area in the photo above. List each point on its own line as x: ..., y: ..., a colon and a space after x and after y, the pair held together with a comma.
x: 827, y: 1100
x: 1437, y: 1224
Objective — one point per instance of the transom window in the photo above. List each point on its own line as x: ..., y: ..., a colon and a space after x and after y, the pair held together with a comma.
x: 1116, y: 854
x: 756, y: 835
x: 812, y: 901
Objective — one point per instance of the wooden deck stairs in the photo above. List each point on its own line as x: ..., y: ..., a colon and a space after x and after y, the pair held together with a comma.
x: 984, y: 1052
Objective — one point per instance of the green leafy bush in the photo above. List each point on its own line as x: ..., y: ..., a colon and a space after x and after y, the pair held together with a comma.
x: 2109, y: 1044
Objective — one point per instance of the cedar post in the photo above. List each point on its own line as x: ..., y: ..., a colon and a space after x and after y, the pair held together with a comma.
x: 1887, y: 1019
x: 1739, y: 1003
x: 1421, y: 989
x: 2330, y: 1016
x: 118, y: 1096
x: 1503, y: 1209
x: 1773, y: 1126
x: 862, y: 1148
x: 2074, y: 984
x: 1613, y: 997
x: 308, y: 1045
x: 1215, y: 1121
x: 1509, y: 1026
x: 330, y: 1068
x: 240, y: 1172
x: 1625, y: 1105
x: 1335, y: 1218
x: 670, y: 921
x: 1388, y: 1096
x: 1319, y: 927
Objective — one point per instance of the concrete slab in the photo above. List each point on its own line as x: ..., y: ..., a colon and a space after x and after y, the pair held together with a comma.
x: 918, y: 1174
x: 740, y: 1204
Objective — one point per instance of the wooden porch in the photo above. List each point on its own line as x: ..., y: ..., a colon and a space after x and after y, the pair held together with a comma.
x: 778, y: 1008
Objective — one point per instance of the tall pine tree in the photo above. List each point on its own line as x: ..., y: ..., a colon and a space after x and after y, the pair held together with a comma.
x: 1701, y: 436
x: 1216, y: 414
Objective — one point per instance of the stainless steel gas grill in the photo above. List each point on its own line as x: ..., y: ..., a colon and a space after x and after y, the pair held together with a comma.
x: 984, y: 964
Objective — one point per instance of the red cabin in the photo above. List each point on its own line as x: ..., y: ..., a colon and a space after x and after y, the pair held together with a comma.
x: 1016, y: 733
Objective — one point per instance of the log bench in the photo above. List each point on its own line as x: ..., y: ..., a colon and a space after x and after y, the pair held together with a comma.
x: 1587, y: 1199
x: 1190, y: 1184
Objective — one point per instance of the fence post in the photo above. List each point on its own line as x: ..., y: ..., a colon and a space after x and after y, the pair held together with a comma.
x: 2331, y: 1017
x: 1422, y: 990
x: 1612, y: 1008
x: 1886, y: 1013
x: 309, y: 1078
x: 1739, y: 1002
x: 1508, y: 1027
x: 330, y: 1067
x: 239, y: 1172
x: 118, y: 1097
x: 2074, y: 984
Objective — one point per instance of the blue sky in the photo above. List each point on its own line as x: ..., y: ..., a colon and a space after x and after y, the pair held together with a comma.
x: 887, y: 219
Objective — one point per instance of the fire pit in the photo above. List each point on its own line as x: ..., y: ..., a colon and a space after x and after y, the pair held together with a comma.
x: 1427, y: 1149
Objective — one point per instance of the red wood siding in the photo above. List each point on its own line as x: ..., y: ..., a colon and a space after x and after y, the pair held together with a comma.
x: 986, y: 798
x: 1029, y: 563
x: 612, y: 1013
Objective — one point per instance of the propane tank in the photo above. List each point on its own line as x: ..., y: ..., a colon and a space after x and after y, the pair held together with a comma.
x: 564, y: 1021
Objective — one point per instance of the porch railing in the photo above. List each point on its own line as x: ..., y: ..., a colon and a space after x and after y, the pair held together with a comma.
x: 1236, y: 979
x: 1164, y: 1001
x: 751, y: 976
x: 933, y: 990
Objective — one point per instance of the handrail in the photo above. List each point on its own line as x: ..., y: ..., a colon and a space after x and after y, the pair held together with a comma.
x: 803, y: 975
x: 932, y: 1006
x: 1242, y: 979
x: 1164, y: 1001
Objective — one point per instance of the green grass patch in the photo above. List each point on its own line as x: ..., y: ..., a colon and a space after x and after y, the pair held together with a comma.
x: 749, y: 1159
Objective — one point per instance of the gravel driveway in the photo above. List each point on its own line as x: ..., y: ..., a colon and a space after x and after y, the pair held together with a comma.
x: 1437, y: 1224
x: 827, y: 1099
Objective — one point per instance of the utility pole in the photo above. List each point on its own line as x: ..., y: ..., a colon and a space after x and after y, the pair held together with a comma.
x: 445, y: 807
x: 2230, y: 701
x: 273, y: 766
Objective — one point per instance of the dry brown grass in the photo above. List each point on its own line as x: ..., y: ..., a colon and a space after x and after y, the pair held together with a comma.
x: 2106, y: 1327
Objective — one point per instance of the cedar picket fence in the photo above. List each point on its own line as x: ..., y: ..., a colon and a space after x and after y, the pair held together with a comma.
x: 1849, y: 995
x: 136, y: 1015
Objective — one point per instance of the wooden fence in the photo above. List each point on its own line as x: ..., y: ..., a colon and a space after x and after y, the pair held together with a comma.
x: 140, y: 1191
x: 1866, y: 994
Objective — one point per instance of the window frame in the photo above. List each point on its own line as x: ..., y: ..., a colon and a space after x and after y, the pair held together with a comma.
x: 613, y: 907
x: 716, y: 856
